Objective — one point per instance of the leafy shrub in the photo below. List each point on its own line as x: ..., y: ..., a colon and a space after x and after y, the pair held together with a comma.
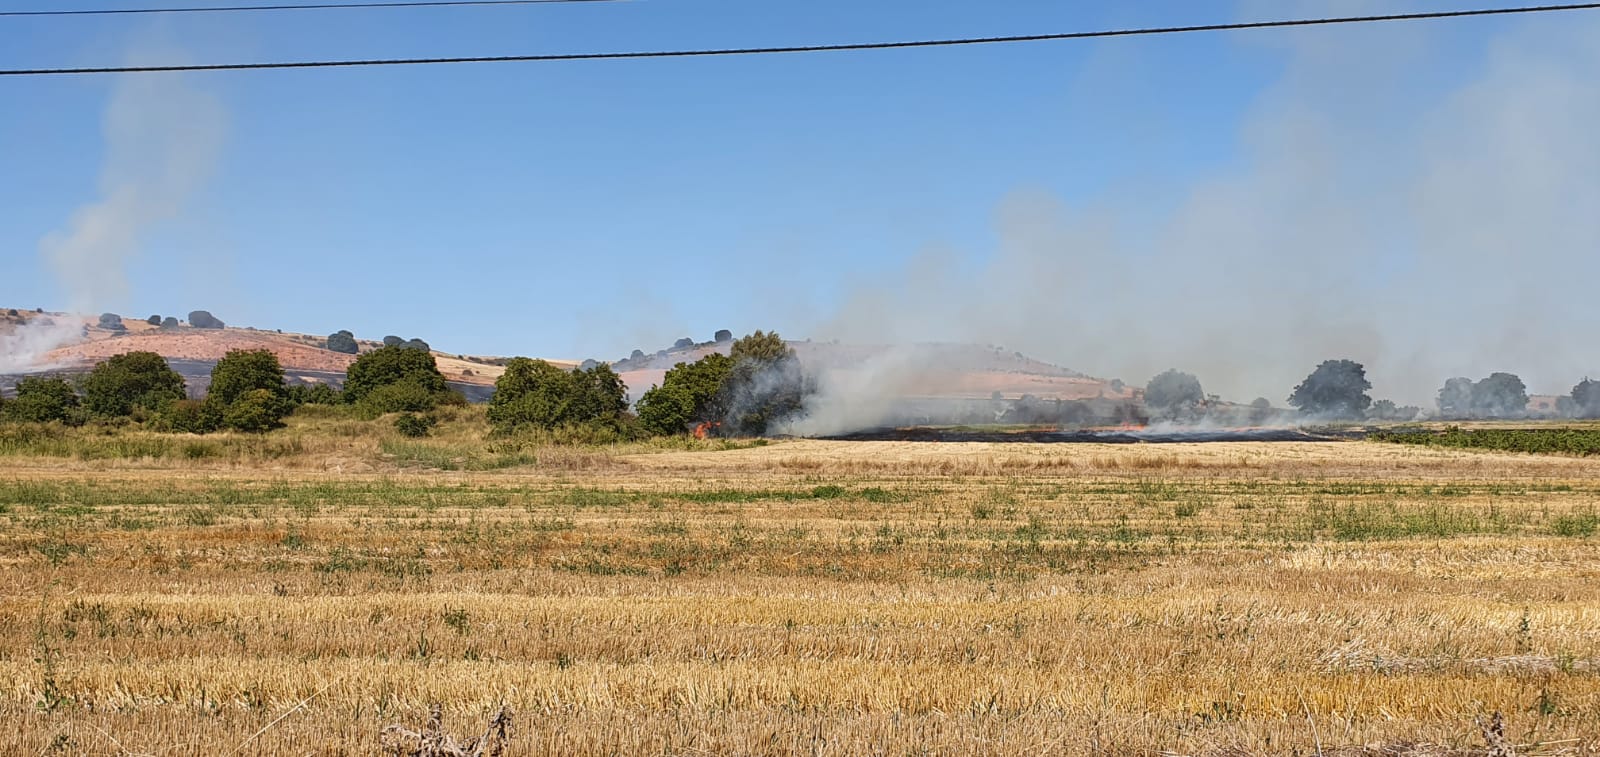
x: 414, y: 371
x: 314, y: 394
x: 402, y: 397
x: 189, y: 417
x: 687, y: 396
x: 257, y: 411
x: 130, y: 382
x: 413, y: 425
x: 248, y: 390
x: 536, y: 394
x: 43, y: 400
x: 201, y: 319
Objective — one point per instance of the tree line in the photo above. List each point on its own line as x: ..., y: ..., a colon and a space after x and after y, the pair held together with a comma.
x: 1339, y: 390
x: 758, y: 384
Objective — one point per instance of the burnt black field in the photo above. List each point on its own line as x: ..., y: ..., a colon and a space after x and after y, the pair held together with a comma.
x: 1089, y: 436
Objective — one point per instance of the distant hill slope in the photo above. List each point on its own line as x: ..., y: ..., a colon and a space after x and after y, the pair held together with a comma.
x: 933, y: 370
x: 954, y: 371
x: 193, y: 351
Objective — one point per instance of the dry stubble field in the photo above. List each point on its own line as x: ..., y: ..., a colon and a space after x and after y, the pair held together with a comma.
x: 808, y: 597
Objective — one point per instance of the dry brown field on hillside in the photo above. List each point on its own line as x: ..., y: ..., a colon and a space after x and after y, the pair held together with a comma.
x: 798, y: 597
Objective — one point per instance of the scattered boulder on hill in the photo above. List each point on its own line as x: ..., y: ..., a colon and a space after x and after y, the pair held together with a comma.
x: 112, y: 322
x: 343, y: 341
x: 636, y: 355
x: 154, y: 320
x: 723, y: 335
x: 201, y: 319
x: 683, y: 344
x: 416, y: 344
x: 393, y: 341
x: 170, y: 322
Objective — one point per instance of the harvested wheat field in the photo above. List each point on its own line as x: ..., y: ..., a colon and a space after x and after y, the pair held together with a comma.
x: 803, y: 597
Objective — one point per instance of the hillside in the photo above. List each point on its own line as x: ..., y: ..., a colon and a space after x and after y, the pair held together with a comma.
x: 193, y: 351
x: 931, y: 370
x: 947, y: 371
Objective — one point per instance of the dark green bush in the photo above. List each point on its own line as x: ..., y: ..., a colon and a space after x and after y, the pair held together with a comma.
x: 43, y: 400
x: 132, y: 382
x: 189, y: 417
x: 395, y: 379
x: 257, y: 411
x: 413, y: 425
x: 533, y: 394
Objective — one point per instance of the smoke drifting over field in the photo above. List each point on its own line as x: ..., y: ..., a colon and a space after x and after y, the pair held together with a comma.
x: 1453, y: 232
x: 163, y: 137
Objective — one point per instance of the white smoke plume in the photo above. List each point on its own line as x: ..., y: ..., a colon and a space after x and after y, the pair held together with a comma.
x: 26, y: 348
x: 1452, y: 235
x: 163, y: 136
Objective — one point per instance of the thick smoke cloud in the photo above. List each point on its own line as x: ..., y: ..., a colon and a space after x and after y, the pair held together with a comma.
x: 162, y: 140
x: 1427, y: 230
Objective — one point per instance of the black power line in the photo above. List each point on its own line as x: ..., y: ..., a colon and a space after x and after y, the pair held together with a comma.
x: 812, y: 48
x: 305, y: 7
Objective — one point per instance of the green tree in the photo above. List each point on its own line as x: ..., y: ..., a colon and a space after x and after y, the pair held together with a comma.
x: 242, y: 371
x: 1336, y: 389
x: 133, y: 382
x: 1586, y: 399
x: 687, y: 395
x: 1501, y: 395
x: 536, y: 394
x: 1455, y: 398
x: 42, y: 400
x: 766, y: 386
x: 389, y: 366
x: 760, y: 346
x: 1173, y: 394
x: 248, y: 390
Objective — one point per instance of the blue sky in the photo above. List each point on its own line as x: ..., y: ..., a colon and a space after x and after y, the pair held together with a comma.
x: 583, y: 209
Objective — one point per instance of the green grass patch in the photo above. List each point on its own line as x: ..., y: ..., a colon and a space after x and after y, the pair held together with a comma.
x: 1540, y: 441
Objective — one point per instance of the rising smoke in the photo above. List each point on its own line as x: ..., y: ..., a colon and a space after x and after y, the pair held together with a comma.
x: 162, y: 140
x: 1455, y: 234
